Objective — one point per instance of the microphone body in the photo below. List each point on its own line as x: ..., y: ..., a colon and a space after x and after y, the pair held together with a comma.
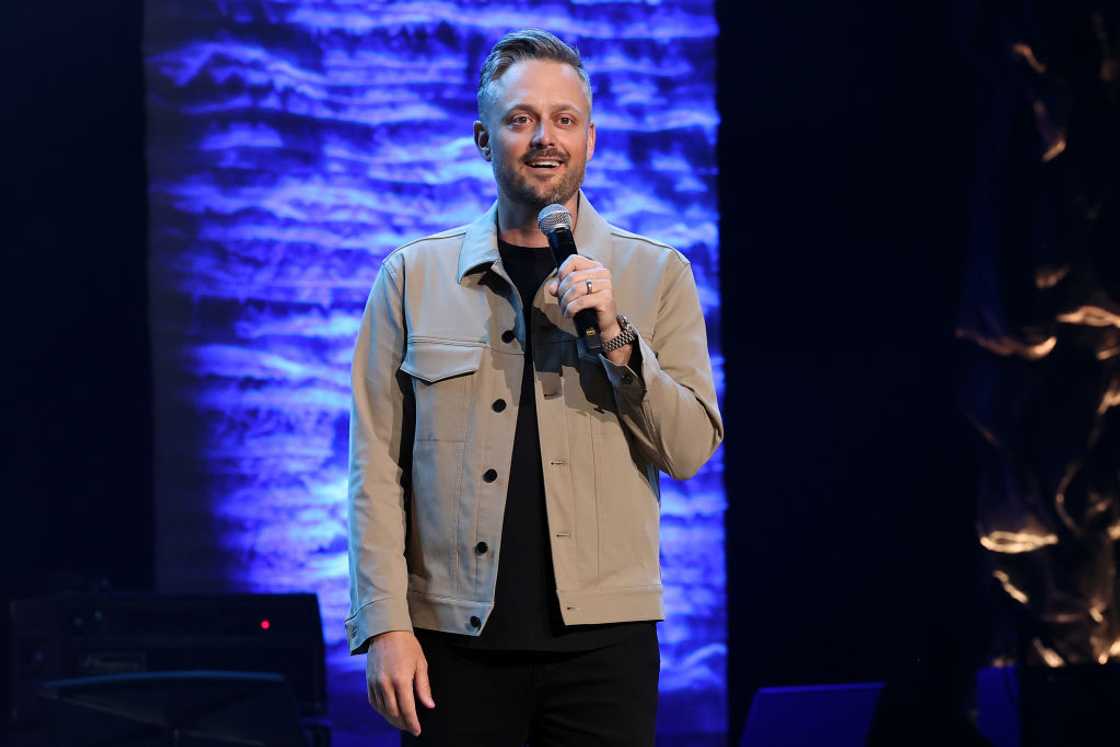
x: 563, y: 245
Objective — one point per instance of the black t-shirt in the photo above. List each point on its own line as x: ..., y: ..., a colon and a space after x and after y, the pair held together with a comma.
x: 526, y: 613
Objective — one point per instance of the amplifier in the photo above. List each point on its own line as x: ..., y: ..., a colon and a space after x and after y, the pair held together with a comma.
x: 76, y: 635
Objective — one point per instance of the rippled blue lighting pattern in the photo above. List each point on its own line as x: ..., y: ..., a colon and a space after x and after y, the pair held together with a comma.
x: 292, y: 145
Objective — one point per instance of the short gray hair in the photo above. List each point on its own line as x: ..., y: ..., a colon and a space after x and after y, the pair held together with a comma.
x: 527, y: 44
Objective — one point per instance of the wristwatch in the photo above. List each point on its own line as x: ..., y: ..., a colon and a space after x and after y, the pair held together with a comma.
x: 623, y: 338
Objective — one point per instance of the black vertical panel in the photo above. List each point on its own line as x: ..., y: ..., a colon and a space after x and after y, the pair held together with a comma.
x: 77, y: 402
x: 846, y: 148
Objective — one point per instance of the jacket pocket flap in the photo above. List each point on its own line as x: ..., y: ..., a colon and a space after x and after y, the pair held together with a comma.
x: 435, y: 361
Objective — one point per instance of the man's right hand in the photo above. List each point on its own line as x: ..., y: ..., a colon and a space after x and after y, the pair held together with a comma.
x: 395, y: 669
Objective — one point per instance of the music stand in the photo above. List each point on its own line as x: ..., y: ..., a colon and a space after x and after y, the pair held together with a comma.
x: 180, y: 709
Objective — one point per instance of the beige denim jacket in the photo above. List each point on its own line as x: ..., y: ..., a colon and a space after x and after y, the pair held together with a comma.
x: 441, y: 341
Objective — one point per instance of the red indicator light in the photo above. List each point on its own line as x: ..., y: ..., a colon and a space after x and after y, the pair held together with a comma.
x: 265, y: 624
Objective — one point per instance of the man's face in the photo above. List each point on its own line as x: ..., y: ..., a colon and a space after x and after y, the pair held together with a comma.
x: 537, y: 131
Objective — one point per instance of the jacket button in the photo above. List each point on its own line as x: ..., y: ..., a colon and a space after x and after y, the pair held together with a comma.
x: 481, y: 548
x: 499, y: 405
x: 508, y: 336
x: 490, y: 475
x: 627, y: 379
x: 475, y: 622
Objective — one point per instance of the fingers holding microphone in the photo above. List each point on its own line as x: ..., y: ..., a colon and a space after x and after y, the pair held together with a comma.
x: 582, y: 283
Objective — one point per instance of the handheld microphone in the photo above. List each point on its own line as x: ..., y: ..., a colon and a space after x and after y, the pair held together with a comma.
x: 555, y: 223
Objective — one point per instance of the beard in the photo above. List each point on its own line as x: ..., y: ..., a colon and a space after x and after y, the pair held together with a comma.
x: 520, y: 190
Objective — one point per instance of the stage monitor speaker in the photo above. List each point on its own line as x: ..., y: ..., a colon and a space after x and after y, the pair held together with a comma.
x: 184, y: 709
x: 81, y: 635
x: 843, y: 715
x: 811, y: 716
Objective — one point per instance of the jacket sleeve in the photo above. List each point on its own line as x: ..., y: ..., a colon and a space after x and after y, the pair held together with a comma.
x: 669, y: 404
x: 380, y: 420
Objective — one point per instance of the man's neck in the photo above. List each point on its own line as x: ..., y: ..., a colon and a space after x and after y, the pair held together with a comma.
x: 517, y: 223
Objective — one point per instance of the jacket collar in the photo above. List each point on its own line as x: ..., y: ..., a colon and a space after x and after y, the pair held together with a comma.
x: 480, y: 244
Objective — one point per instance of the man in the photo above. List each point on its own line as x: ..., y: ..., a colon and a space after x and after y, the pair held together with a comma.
x: 503, y: 497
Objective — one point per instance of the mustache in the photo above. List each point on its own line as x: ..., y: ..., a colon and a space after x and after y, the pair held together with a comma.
x: 551, y: 155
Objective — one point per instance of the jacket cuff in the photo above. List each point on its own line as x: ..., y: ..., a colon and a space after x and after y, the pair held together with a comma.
x: 629, y: 380
x: 373, y: 618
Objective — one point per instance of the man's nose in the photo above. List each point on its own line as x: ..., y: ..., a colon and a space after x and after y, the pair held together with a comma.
x: 544, y: 134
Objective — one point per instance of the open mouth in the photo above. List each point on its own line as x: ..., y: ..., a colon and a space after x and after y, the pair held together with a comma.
x: 545, y: 164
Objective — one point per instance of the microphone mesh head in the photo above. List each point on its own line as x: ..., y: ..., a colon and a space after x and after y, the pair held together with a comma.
x: 554, y: 216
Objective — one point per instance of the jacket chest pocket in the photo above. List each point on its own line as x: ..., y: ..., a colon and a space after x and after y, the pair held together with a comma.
x: 444, y: 382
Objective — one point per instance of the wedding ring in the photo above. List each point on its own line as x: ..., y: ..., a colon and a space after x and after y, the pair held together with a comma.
x: 589, y: 287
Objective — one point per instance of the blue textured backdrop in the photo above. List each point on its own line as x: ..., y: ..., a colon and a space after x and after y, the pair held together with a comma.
x: 292, y: 144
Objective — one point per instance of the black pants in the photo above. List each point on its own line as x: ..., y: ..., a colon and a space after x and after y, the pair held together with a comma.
x: 607, y: 696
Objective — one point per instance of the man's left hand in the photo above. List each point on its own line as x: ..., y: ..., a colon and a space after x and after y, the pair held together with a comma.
x: 574, y: 293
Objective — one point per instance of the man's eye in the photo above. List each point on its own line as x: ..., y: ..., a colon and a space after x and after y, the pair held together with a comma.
x: 519, y: 119
x: 567, y: 121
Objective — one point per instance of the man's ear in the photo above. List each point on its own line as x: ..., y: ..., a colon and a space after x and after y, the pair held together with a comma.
x: 590, y: 140
x: 482, y: 139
